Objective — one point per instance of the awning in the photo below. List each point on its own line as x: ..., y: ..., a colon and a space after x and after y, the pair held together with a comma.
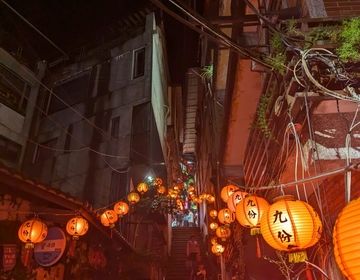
x: 16, y: 182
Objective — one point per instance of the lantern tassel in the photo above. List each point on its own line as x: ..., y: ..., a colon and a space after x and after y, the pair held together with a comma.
x: 297, y: 257
x: 258, y: 248
x: 27, y: 262
x: 309, y: 275
x: 72, y: 246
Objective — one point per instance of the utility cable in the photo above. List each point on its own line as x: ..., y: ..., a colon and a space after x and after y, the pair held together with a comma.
x: 36, y: 29
x: 224, y: 38
x: 352, y: 166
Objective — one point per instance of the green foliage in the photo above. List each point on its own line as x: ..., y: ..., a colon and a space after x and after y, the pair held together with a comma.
x: 291, y: 28
x: 324, y: 33
x: 278, y: 58
x: 276, y: 43
x: 207, y: 72
x: 349, y: 49
x: 277, y: 62
x: 261, y: 121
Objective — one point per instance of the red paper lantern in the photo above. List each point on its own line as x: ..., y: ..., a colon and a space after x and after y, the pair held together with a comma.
x: 109, y: 218
x: 227, y: 191
x: 77, y: 227
x: 32, y: 231
x: 121, y: 208
x: 235, y: 199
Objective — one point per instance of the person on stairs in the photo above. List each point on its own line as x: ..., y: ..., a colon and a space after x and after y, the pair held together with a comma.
x: 200, y: 273
x: 193, y: 254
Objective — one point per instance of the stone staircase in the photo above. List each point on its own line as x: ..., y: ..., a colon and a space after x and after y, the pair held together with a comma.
x: 176, y: 266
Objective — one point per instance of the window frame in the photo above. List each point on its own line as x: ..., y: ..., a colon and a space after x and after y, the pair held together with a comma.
x: 135, y: 74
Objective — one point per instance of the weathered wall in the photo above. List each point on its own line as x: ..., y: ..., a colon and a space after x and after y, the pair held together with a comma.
x: 342, y: 7
x: 112, y: 92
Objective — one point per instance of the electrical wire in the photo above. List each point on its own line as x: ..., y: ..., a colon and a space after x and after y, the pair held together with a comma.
x: 224, y: 38
x: 36, y: 29
x: 352, y: 166
x: 304, y: 58
x: 20, y: 212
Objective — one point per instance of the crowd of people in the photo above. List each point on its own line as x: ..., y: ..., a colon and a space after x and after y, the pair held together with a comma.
x: 187, y: 218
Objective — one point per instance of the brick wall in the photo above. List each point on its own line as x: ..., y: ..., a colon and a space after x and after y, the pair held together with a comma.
x: 333, y: 195
x: 342, y: 7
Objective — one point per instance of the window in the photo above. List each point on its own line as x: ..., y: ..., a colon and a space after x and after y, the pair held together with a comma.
x: 9, y: 150
x: 119, y: 185
x: 46, y: 150
x: 68, y: 138
x: 115, y: 123
x: 139, y: 63
x: 71, y: 92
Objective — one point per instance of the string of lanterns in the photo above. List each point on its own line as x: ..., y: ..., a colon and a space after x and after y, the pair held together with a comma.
x: 35, y: 231
x: 287, y: 225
